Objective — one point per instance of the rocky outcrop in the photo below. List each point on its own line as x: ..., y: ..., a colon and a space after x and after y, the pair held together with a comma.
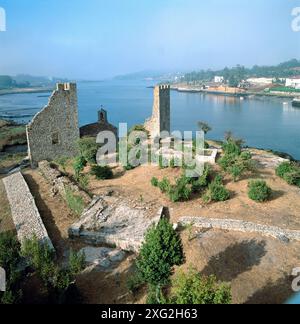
x: 112, y: 221
x: 283, y: 235
x: 25, y: 214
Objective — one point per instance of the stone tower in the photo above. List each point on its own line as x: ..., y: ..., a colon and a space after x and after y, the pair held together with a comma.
x: 54, y: 131
x: 160, y: 120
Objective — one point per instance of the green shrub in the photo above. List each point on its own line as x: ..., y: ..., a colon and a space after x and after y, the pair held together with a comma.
x: 164, y: 185
x: 293, y: 178
x: 160, y: 252
x: 259, y: 191
x: 101, y: 172
x: 56, y: 279
x: 134, y: 282
x: 181, y: 191
x: 78, y: 166
x: 284, y: 168
x: 88, y: 148
x: 155, y: 296
x: 290, y: 172
x: 76, y: 262
x: 9, y: 260
x: 74, y: 202
x: 194, y: 289
x: 231, y: 147
x: 84, y: 181
x: 216, y: 192
x: 154, y: 182
x: 62, y: 162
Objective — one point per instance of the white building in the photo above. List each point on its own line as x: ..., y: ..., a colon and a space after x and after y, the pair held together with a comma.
x: 219, y: 79
x: 260, y: 81
x: 293, y: 82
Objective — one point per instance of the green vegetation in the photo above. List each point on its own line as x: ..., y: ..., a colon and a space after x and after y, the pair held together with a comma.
x: 88, y: 149
x: 161, y: 251
x: 236, y: 74
x: 9, y: 260
x: 285, y: 89
x: 184, y: 187
x: 194, y: 289
x: 78, y: 166
x: 84, y: 181
x: 101, y: 172
x: 259, y: 191
x: 216, y: 191
x: 56, y: 279
x: 74, y: 202
x: 235, y: 161
x: 62, y: 162
x: 290, y: 172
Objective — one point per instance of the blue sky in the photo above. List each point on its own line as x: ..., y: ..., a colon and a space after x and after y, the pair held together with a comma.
x: 95, y: 39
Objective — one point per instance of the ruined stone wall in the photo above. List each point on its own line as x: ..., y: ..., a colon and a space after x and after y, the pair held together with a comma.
x: 54, y: 131
x: 160, y: 120
x: 25, y: 214
x: 283, y: 235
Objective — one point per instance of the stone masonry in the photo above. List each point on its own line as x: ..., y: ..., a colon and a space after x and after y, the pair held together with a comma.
x: 283, y: 235
x: 25, y: 214
x: 160, y: 120
x: 54, y: 131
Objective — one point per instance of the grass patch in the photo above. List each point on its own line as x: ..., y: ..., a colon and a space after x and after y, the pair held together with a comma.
x: 74, y: 202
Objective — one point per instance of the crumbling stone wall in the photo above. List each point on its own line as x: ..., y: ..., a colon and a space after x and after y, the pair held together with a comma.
x: 25, y: 214
x: 283, y: 235
x: 160, y: 120
x: 60, y: 182
x: 54, y: 131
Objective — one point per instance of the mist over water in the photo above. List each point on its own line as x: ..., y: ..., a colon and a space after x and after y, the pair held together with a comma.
x: 269, y: 123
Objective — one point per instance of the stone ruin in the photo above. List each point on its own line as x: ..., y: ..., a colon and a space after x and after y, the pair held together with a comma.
x: 92, y: 130
x: 54, y: 131
x: 160, y: 120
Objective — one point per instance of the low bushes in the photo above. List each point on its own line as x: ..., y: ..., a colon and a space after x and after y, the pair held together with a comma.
x: 259, y: 191
x: 184, y: 187
x: 9, y: 261
x: 88, y: 148
x: 290, y: 172
x: 101, y: 172
x: 216, y: 191
x: 235, y: 161
x: 194, y: 289
x: 56, y: 279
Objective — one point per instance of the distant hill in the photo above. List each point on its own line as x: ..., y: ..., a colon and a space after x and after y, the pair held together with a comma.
x: 239, y: 72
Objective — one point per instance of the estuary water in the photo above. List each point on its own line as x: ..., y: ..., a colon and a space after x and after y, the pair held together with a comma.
x: 269, y: 123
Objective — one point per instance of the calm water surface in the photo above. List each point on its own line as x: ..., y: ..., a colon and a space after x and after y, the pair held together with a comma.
x: 266, y: 123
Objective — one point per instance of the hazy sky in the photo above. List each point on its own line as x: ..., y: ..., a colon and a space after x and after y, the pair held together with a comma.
x: 94, y: 39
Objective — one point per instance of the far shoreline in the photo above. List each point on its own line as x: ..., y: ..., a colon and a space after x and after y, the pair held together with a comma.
x: 13, y: 91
